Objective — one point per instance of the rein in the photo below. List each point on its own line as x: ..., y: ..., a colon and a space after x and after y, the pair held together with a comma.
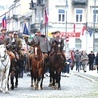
x: 5, y: 65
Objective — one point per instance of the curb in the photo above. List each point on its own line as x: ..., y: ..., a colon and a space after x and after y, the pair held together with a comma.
x: 90, y: 79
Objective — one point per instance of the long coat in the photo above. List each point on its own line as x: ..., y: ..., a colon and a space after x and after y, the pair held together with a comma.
x: 96, y: 60
x: 44, y: 43
x: 84, y: 59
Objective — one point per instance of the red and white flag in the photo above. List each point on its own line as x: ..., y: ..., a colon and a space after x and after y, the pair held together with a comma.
x: 46, y: 17
x: 83, y: 29
x: 4, y: 22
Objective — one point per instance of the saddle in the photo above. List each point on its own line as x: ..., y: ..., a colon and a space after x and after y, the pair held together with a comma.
x: 11, y: 54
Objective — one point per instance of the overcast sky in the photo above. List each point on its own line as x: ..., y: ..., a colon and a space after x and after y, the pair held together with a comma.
x: 6, y: 2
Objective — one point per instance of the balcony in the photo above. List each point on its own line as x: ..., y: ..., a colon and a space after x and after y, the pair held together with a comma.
x: 79, y: 2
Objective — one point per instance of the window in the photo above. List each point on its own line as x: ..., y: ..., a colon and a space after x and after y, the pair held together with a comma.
x: 61, y: 15
x: 96, y: 44
x: 79, y: 15
x: 95, y: 16
x: 78, y: 43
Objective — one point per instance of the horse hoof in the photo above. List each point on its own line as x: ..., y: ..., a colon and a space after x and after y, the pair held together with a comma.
x: 16, y: 85
x: 12, y: 88
x: 53, y: 87
x: 31, y: 85
x: 59, y: 88
x: 49, y: 85
x: 6, y: 92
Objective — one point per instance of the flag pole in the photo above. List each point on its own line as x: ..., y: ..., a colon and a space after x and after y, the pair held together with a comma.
x: 46, y: 21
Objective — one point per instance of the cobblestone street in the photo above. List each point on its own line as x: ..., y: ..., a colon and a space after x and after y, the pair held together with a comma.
x: 72, y: 87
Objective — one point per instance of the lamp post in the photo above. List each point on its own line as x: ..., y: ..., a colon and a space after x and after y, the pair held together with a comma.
x: 94, y: 25
x: 66, y: 8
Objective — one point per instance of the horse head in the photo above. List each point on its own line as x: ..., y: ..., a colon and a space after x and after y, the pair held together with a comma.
x: 3, y: 52
x: 58, y: 47
x: 36, y: 49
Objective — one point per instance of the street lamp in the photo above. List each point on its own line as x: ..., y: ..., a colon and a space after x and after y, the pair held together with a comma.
x: 66, y: 7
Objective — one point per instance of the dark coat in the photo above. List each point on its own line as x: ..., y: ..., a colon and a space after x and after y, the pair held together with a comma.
x: 91, y: 58
x: 96, y: 60
x: 43, y: 42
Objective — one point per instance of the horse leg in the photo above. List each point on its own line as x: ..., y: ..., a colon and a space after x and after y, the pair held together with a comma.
x: 41, y: 85
x: 12, y: 81
x: 31, y: 79
x: 2, y: 78
x: 6, y: 80
x: 58, y: 86
x: 51, y: 79
x: 16, y: 77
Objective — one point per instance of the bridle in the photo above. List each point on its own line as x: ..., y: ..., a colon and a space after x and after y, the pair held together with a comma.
x: 4, y: 58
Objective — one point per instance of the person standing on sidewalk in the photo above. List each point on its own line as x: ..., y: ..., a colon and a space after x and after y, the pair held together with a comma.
x: 77, y: 59
x: 96, y: 61
x: 91, y: 57
x: 84, y: 61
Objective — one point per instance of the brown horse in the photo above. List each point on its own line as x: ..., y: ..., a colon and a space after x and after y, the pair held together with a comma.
x: 37, y: 67
x: 14, y: 69
x: 56, y: 64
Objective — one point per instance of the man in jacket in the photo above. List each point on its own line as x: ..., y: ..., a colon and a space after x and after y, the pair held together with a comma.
x: 77, y: 59
x: 91, y: 57
x: 59, y: 39
x: 43, y: 42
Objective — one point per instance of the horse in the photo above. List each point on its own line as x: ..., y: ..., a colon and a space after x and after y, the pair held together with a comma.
x: 14, y: 68
x: 4, y: 68
x: 56, y: 64
x: 37, y: 67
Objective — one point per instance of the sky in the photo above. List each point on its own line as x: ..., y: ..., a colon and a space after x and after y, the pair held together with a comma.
x: 6, y: 3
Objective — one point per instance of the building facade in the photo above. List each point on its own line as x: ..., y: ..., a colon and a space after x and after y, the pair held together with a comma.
x: 76, y: 20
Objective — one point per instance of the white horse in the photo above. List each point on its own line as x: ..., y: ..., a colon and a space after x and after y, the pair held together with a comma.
x: 4, y: 68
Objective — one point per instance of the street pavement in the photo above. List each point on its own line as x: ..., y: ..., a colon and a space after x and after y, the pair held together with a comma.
x: 89, y: 75
x: 71, y: 87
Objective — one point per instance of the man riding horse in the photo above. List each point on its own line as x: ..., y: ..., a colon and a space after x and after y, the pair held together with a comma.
x: 58, y: 39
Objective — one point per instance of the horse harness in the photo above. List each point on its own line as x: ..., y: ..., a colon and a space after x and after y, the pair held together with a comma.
x: 2, y: 61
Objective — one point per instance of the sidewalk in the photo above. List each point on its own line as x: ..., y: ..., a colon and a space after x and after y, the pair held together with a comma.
x: 93, y: 73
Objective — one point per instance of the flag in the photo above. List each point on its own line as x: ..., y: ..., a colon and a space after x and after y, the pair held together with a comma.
x: 4, y: 22
x: 46, y: 17
x: 90, y: 31
x: 25, y: 31
x: 74, y: 28
x: 83, y: 29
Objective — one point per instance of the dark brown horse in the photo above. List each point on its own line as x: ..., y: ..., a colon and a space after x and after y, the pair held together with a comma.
x: 56, y: 64
x: 14, y: 68
x: 37, y: 67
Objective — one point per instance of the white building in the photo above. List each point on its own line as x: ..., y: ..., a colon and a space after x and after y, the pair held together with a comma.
x: 67, y: 16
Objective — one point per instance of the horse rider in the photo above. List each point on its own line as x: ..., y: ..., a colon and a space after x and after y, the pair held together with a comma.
x: 52, y: 41
x: 6, y: 38
x: 59, y: 39
x: 41, y: 38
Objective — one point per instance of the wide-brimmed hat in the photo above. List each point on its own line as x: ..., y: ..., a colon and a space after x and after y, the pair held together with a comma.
x: 53, y: 32
x: 57, y: 31
x: 24, y: 35
x: 3, y: 29
x: 11, y: 32
x: 38, y: 31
